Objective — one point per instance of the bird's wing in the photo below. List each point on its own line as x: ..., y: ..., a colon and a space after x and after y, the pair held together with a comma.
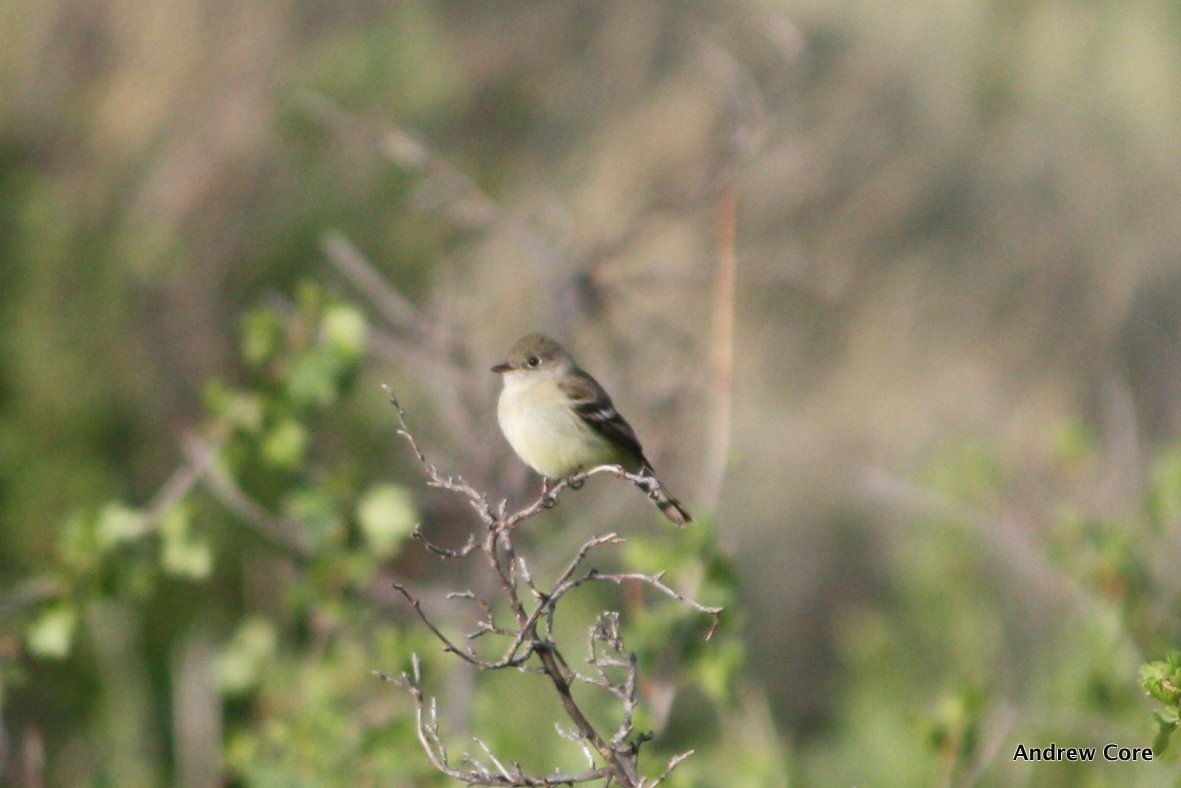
x: 594, y: 405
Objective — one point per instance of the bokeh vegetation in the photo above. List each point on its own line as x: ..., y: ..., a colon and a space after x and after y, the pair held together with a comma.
x: 953, y: 485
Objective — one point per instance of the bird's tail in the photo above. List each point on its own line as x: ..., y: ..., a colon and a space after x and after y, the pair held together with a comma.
x: 669, y: 506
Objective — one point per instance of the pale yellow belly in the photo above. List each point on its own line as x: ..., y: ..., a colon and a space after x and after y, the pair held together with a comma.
x: 551, y: 439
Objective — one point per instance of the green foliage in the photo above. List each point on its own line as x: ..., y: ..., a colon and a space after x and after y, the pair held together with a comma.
x: 672, y: 643
x: 328, y: 721
x: 51, y: 634
x: 1163, y: 506
x: 461, y: 144
x: 246, y: 658
x: 1162, y: 680
x: 265, y: 432
x: 185, y: 552
x: 944, y: 684
x: 399, y: 41
x: 386, y: 515
x: 263, y: 495
x: 953, y: 728
x: 301, y: 361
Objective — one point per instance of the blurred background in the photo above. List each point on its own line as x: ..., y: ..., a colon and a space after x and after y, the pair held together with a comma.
x: 945, y: 468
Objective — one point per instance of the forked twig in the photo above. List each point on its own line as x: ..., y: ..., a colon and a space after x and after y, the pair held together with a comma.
x: 530, y: 647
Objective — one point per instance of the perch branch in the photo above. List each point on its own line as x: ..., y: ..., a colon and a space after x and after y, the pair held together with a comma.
x: 532, y: 608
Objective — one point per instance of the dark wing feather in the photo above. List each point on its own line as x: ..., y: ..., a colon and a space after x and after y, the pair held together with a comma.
x: 593, y: 404
x: 595, y: 407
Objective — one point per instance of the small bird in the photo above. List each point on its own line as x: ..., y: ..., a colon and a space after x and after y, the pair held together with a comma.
x: 559, y: 420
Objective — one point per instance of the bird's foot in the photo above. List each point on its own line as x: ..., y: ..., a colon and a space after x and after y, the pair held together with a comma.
x: 547, y: 498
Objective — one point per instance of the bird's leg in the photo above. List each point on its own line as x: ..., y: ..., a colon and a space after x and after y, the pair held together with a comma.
x: 652, y: 487
x: 576, y: 480
x: 547, y: 500
x: 649, y: 484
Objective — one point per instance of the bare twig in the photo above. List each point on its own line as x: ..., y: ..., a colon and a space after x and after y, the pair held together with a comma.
x: 455, y: 484
x: 395, y: 307
x: 427, y: 728
x: 30, y: 594
x: 279, y: 531
x: 532, y: 607
x: 656, y: 582
x: 199, y: 459
x: 673, y: 763
x: 445, y: 552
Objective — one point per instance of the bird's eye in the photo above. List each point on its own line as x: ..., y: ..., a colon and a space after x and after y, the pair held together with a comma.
x: 532, y: 361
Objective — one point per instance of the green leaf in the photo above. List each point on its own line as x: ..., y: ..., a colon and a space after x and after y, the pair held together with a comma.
x: 183, y: 554
x: 344, y: 329
x: 1162, y: 679
x: 262, y: 336
x: 77, y: 542
x: 285, y: 444
x: 1167, y: 722
x: 189, y: 558
x: 118, y: 523
x: 716, y: 670
x: 51, y: 635
x: 322, y: 523
x: 313, y: 381
x: 386, y: 514
x: 240, y: 410
x: 242, y: 664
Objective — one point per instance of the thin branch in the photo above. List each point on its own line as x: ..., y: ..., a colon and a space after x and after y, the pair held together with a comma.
x: 455, y: 484
x: 531, y: 605
x: 715, y: 613
x: 467, y: 654
x: 428, y: 732
x: 673, y: 763
x: 444, y: 552
x: 495, y: 761
x: 348, y: 259
x: 30, y: 594
x: 279, y: 531
x: 427, y: 729
x: 182, y: 481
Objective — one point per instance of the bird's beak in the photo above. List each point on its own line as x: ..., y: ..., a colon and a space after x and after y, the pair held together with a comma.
x: 504, y: 366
